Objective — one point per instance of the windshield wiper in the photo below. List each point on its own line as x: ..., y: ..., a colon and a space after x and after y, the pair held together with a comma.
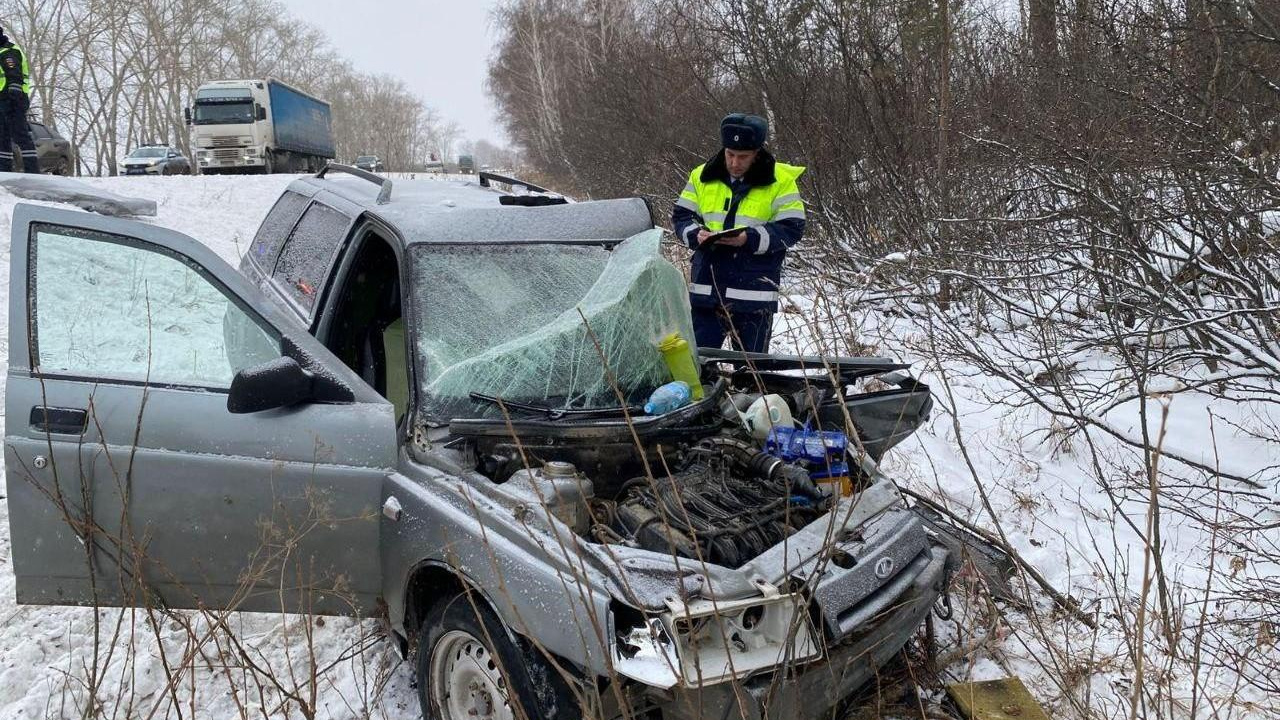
x: 553, y: 413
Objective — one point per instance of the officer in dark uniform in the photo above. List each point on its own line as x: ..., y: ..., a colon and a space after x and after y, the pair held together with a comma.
x: 15, y: 101
x: 734, y: 283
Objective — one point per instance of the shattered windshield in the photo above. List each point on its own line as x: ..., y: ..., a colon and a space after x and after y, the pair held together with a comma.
x: 538, y: 324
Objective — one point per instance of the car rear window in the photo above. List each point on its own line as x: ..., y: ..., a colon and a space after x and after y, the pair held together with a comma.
x: 275, y: 228
x: 304, y: 263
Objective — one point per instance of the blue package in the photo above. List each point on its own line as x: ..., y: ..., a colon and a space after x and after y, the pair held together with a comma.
x: 818, y: 447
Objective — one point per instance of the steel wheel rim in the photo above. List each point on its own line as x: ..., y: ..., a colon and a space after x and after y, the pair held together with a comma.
x: 465, y: 681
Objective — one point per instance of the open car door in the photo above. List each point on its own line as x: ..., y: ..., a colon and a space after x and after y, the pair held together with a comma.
x: 130, y: 482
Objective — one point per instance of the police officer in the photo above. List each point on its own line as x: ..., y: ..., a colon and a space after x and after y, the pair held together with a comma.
x: 15, y: 100
x: 734, y: 287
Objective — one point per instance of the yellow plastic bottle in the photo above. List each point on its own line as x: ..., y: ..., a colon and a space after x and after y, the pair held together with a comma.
x: 675, y: 350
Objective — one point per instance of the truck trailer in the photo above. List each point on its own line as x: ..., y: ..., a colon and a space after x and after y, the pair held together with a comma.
x: 259, y: 126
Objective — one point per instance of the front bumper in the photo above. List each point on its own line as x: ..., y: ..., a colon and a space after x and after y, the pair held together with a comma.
x: 811, y: 691
x: 214, y: 163
x: 141, y: 169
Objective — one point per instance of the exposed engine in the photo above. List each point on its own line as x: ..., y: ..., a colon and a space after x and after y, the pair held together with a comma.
x: 712, y: 481
x: 726, y: 504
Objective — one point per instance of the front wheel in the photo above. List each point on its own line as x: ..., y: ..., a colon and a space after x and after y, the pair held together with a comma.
x: 469, y: 668
x: 268, y: 164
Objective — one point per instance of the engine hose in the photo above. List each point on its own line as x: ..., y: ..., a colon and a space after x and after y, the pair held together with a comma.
x: 766, y: 466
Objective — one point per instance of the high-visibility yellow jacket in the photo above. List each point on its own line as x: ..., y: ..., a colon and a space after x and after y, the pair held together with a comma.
x: 13, y: 61
x: 766, y: 202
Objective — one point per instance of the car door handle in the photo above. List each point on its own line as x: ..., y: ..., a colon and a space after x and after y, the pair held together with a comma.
x: 62, y: 421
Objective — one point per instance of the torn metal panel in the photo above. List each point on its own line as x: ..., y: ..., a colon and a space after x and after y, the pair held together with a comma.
x: 75, y: 192
x: 993, y: 564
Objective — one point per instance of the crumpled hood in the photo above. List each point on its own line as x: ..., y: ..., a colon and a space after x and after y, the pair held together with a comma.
x: 647, y: 578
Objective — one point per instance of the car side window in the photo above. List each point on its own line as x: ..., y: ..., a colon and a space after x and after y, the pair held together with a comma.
x: 275, y: 228
x: 113, y: 308
x: 307, y: 256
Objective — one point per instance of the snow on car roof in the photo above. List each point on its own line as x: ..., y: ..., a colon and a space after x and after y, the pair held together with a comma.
x: 462, y: 211
x: 75, y: 192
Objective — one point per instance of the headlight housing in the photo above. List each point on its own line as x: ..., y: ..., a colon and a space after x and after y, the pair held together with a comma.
x: 706, y: 642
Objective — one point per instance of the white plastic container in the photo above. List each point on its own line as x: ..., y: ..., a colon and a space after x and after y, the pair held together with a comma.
x: 766, y: 413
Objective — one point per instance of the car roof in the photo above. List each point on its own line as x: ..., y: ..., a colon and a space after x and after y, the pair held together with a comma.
x: 447, y: 211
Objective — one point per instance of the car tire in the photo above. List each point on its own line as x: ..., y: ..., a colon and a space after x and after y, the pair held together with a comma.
x: 268, y: 163
x: 469, y: 665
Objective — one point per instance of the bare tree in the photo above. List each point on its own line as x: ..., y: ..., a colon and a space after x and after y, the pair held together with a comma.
x: 114, y: 74
x: 1095, y: 183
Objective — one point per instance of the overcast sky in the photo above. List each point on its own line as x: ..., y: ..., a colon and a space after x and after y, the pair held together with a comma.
x: 440, y: 48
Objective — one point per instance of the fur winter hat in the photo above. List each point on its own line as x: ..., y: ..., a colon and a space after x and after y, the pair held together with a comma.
x: 740, y: 131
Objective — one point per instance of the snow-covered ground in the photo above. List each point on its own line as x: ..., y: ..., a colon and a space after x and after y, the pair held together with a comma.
x: 1042, y: 483
x: 1074, y: 505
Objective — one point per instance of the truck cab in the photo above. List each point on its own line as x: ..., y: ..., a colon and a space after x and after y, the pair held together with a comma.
x: 228, y: 126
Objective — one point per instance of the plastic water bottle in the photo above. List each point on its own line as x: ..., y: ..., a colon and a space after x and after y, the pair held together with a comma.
x: 668, y: 397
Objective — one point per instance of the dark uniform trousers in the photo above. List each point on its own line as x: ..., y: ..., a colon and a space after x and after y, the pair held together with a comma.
x: 15, y: 131
x: 14, y: 105
x: 747, y: 330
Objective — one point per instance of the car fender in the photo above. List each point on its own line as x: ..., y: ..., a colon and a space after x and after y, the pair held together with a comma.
x: 442, y: 523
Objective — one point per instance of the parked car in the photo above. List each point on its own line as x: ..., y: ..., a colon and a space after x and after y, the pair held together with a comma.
x: 54, y: 151
x: 155, y: 160
x: 423, y: 402
x: 370, y: 163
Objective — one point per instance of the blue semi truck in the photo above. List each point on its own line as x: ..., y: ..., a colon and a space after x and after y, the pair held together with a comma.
x: 259, y: 126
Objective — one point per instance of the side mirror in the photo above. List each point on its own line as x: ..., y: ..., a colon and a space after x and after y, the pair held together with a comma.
x: 186, y: 113
x: 273, y: 384
x: 262, y: 113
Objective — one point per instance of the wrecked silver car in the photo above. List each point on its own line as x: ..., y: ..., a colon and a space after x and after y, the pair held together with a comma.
x: 426, y: 403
